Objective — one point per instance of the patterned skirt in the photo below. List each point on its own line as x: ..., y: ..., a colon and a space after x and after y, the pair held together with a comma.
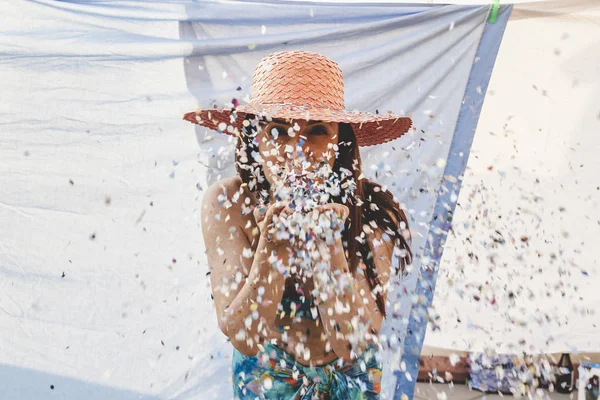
x: 275, y: 374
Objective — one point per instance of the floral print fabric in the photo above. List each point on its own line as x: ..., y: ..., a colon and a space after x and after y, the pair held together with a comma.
x: 275, y: 374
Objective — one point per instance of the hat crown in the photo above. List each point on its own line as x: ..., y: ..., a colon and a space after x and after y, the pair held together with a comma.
x: 298, y: 78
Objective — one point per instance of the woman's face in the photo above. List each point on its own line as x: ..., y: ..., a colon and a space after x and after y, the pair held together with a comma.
x: 299, y: 146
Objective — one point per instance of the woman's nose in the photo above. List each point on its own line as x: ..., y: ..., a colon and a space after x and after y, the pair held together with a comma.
x: 295, y: 147
x: 302, y: 149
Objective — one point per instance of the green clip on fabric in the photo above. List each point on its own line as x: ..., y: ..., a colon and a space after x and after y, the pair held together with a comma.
x: 494, y: 11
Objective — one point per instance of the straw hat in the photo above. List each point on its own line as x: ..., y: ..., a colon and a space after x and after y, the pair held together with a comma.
x: 307, y: 86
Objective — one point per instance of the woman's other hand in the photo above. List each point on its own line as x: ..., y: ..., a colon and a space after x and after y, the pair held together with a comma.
x: 340, y: 210
x: 267, y: 219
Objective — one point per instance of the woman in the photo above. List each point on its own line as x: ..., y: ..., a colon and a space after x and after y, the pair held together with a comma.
x: 300, y: 245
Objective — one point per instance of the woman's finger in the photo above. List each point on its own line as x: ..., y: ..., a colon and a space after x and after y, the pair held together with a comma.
x: 274, y: 209
x: 339, y: 209
x: 270, y: 218
x: 267, y: 216
x: 259, y: 213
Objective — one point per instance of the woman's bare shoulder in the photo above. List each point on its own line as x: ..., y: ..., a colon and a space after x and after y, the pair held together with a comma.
x: 228, y: 195
x: 228, y: 185
x: 225, y: 193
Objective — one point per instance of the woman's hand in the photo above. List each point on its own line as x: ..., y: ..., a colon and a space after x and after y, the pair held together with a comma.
x: 340, y: 210
x: 280, y: 223
x: 331, y: 270
x: 267, y: 219
x: 333, y: 244
x: 336, y: 214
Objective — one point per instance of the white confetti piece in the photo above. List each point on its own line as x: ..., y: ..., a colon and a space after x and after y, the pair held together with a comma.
x: 268, y: 383
x: 454, y: 359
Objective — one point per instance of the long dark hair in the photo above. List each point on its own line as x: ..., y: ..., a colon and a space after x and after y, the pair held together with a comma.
x: 369, y: 203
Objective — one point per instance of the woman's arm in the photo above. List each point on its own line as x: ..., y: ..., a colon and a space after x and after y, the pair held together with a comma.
x: 352, y: 318
x: 245, y: 286
x: 350, y: 315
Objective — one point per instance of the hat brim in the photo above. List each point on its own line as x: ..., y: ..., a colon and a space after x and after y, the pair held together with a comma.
x: 370, y: 129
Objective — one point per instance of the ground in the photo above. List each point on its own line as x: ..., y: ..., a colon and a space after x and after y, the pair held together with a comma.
x: 426, y: 391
